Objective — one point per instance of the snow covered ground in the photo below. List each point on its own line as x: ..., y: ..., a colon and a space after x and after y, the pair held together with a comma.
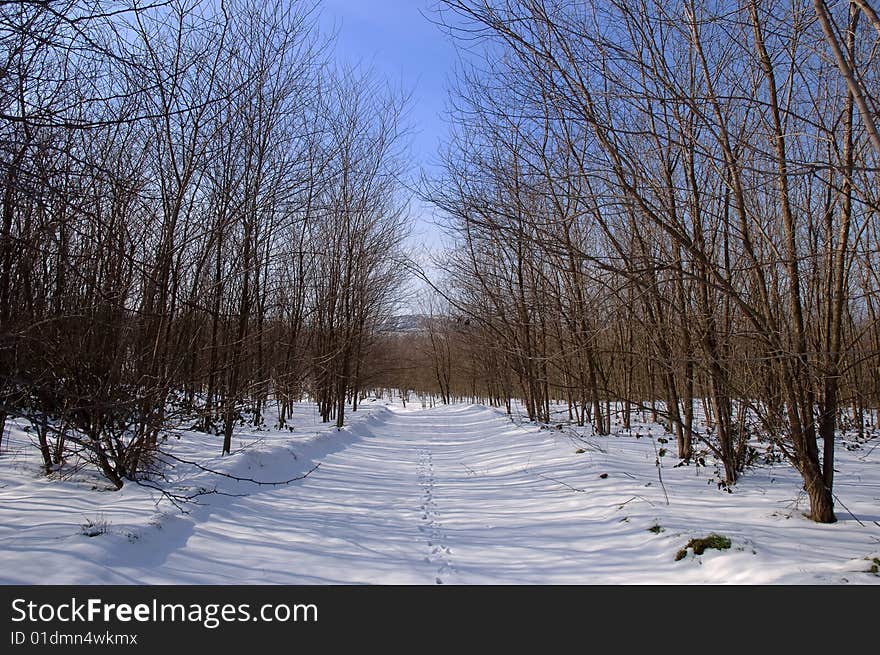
x: 449, y: 495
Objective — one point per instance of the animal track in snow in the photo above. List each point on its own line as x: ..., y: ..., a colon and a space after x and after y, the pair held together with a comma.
x: 439, y: 552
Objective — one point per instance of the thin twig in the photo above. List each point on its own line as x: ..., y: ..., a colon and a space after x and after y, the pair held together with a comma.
x: 659, y: 468
x: 836, y: 498
x: 564, y: 484
x: 619, y: 507
x: 241, y: 479
x: 178, y: 499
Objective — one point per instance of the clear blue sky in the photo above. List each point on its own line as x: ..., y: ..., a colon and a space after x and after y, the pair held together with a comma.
x: 396, y: 40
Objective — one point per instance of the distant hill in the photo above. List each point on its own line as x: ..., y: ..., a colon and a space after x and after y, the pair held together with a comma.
x: 404, y: 323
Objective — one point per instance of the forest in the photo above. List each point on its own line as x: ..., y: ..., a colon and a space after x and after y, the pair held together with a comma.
x: 651, y: 206
x: 670, y: 205
x: 200, y: 212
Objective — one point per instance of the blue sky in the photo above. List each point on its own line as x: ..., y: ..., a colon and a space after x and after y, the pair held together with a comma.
x: 396, y: 40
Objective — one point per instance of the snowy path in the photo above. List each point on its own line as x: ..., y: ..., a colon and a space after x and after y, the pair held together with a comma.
x: 427, y: 497
x: 451, y: 495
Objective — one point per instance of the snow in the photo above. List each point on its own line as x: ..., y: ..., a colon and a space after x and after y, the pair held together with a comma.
x: 450, y: 495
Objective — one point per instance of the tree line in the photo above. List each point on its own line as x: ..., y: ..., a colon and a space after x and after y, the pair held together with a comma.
x: 201, y: 211
x: 670, y: 205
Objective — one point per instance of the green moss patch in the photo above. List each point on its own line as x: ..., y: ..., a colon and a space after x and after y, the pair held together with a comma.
x: 716, y: 541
